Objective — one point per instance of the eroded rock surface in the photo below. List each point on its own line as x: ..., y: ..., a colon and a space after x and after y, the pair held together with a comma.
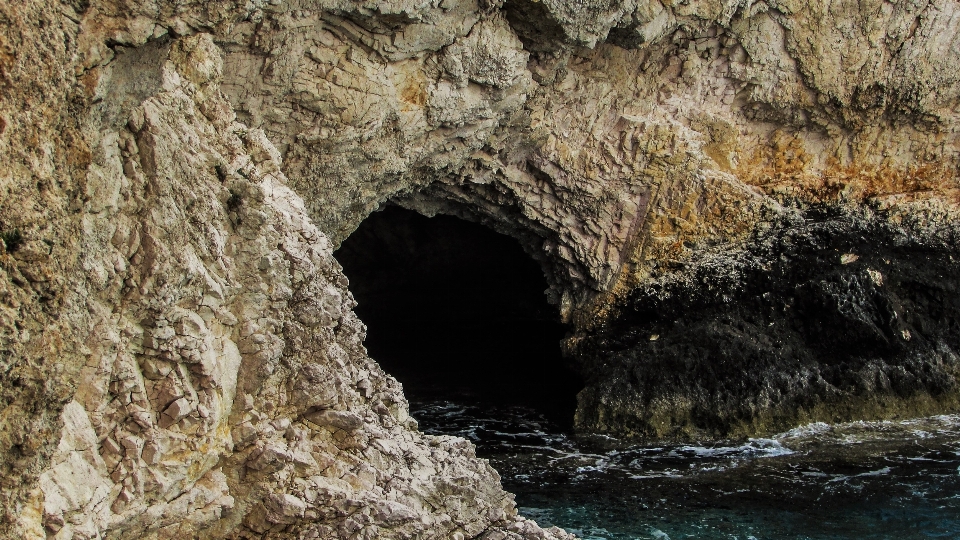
x: 826, y: 317
x: 224, y: 390
x: 690, y: 124
x: 179, y: 353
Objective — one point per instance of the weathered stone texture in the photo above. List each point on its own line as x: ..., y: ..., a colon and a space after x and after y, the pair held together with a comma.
x: 178, y: 348
x: 220, y: 388
x: 605, y: 161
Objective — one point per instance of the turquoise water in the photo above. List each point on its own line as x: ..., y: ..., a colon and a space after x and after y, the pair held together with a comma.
x: 869, y: 480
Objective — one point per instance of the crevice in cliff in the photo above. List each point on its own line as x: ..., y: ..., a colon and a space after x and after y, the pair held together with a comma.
x: 533, y: 24
x: 457, y: 312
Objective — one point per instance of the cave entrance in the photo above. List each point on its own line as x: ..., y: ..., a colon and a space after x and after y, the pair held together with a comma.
x: 457, y: 312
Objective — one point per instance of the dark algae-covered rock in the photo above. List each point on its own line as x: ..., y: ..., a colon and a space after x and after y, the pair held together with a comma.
x: 828, y: 317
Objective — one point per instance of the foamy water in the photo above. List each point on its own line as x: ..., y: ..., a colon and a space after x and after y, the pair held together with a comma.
x: 856, y: 480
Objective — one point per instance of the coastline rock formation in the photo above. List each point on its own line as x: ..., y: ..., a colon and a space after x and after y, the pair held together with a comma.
x: 179, y: 353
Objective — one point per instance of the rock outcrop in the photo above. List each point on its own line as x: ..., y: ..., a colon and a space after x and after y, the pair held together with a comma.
x: 826, y: 317
x: 179, y: 353
x: 218, y: 385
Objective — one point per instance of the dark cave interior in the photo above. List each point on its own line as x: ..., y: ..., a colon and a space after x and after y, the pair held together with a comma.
x: 457, y: 312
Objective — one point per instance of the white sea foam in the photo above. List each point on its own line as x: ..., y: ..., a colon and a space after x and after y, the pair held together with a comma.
x: 657, y: 534
x: 669, y: 473
x: 846, y: 478
x: 808, y: 430
x: 879, y: 472
x: 593, y: 533
x: 754, y: 448
x: 862, y: 431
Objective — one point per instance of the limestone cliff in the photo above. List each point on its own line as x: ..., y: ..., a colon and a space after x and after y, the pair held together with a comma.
x: 179, y: 353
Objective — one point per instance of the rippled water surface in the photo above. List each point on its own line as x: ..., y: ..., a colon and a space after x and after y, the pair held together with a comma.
x: 896, y: 480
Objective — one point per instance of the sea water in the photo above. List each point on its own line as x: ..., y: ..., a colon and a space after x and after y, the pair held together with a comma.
x: 861, y: 480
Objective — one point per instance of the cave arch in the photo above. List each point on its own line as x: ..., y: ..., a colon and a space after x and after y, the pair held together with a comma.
x: 457, y: 311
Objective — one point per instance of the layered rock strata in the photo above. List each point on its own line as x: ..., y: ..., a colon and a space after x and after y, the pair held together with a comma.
x: 178, y: 348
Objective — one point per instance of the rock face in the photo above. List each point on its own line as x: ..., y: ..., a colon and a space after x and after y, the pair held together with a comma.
x: 219, y: 386
x: 826, y: 317
x: 179, y: 350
